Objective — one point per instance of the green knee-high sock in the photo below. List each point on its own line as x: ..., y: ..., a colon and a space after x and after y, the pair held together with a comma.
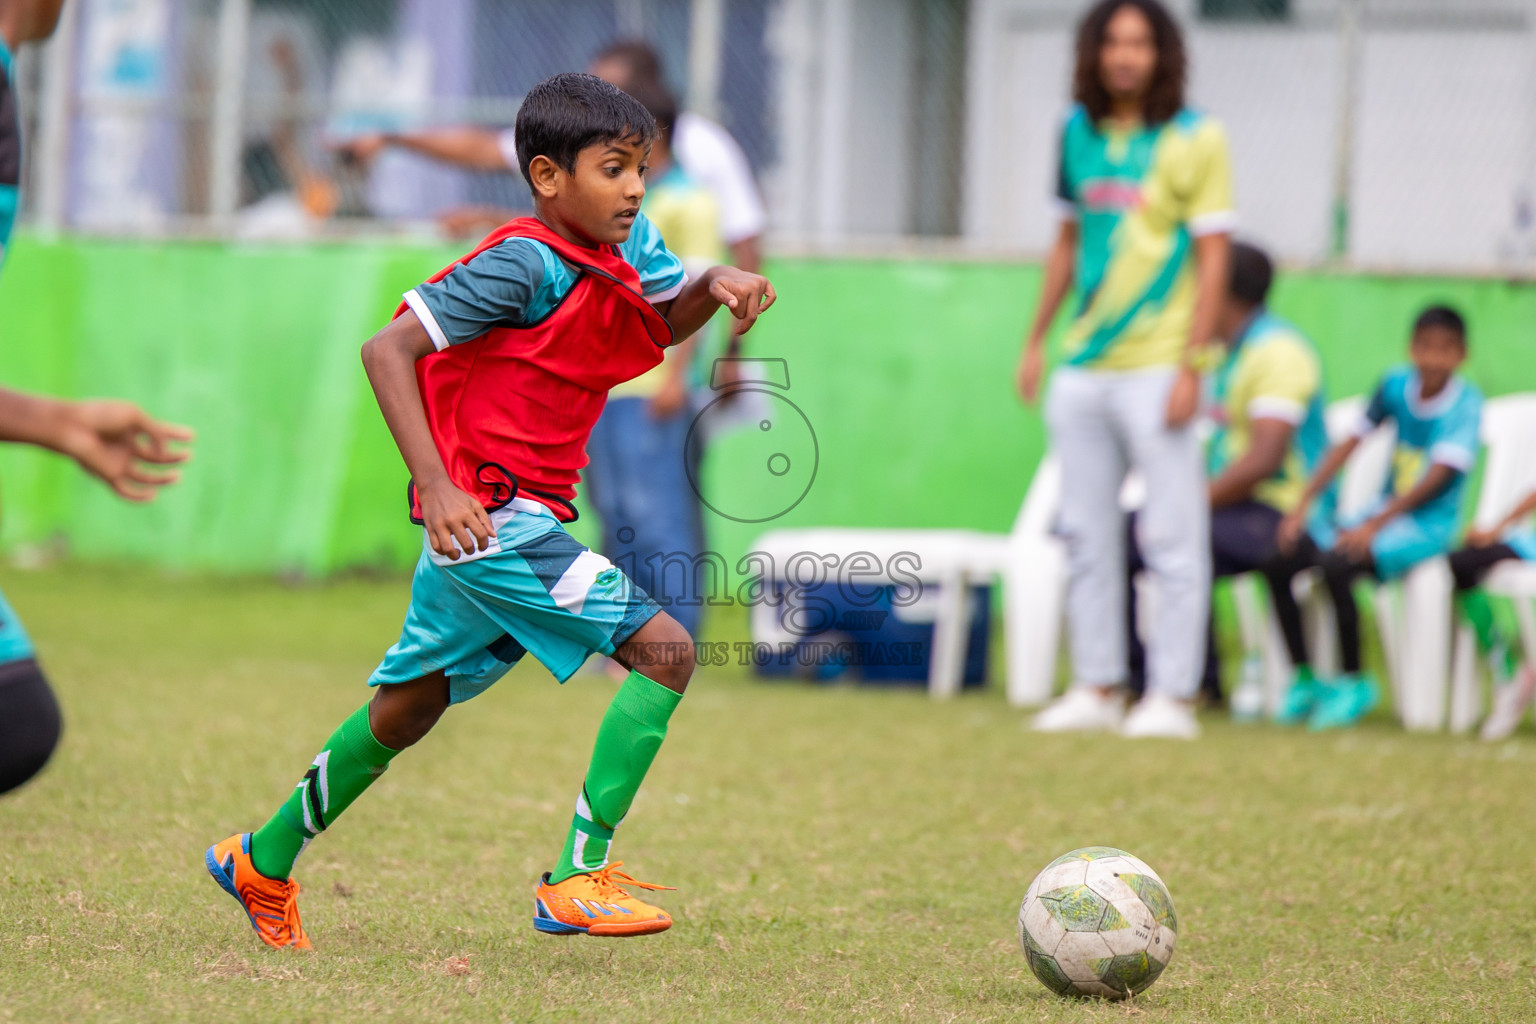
x: 347, y: 765
x: 1478, y: 611
x: 627, y: 741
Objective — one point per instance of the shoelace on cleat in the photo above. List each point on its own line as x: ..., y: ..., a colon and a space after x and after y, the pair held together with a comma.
x: 279, y: 906
x: 607, y: 880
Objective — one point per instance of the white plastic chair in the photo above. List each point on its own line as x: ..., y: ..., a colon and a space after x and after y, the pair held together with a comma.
x: 1360, y: 485
x: 1029, y: 562
x: 1509, y: 474
x: 950, y: 562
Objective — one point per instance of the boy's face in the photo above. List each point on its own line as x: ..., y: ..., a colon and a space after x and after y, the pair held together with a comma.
x: 1436, y: 353
x: 1128, y: 55
x: 598, y: 201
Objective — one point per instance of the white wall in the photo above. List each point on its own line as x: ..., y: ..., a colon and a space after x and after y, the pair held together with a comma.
x: 841, y: 115
x: 1444, y: 127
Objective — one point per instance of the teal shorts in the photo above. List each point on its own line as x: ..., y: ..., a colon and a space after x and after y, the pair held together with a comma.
x: 535, y: 591
x: 14, y: 642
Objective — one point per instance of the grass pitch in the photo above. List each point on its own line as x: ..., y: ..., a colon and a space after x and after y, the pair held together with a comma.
x: 842, y: 854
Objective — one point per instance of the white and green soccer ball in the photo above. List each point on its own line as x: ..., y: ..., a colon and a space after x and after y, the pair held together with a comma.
x: 1097, y: 922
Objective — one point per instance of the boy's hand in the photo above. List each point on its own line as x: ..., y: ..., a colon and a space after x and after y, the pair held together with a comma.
x: 1183, y: 398
x: 112, y: 440
x: 1290, y: 530
x: 745, y: 295
x: 449, y: 514
x: 1482, y: 538
x: 1356, y: 544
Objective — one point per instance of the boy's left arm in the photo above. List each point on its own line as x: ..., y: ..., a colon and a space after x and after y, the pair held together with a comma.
x: 745, y: 295
x: 1356, y: 543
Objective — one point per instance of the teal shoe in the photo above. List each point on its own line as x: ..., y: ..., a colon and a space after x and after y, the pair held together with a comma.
x: 1344, y: 701
x: 1299, y: 699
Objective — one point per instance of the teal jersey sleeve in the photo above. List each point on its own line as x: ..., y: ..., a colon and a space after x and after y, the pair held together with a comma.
x: 513, y: 284
x: 1453, y: 440
x: 661, y: 272
x: 1385, y: 400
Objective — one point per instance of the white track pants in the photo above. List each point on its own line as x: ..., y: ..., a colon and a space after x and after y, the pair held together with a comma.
x: 1103, y: 424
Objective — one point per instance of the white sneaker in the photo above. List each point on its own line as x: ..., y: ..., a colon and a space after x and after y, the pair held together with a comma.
x: 1159, y: 717
x: 1509, y: 704
x: 1082, y: 709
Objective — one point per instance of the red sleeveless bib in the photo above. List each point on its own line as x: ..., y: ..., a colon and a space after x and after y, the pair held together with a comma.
x: 511, y: 411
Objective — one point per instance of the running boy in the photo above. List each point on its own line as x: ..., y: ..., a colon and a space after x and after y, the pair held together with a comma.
x: 1437, y: 413
x: 1484, y: 549
x: 490, y: 378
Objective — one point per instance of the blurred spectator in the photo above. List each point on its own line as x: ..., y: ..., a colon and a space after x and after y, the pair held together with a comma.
x: 1437, y: 413
x: 284, y: 193
x: 1145, y: 199
x: 1267, y: 397
x: 1511, y: 538
x: 703, y: 149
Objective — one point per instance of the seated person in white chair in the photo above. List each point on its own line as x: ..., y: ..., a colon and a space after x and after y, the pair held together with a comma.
x: 1483, y: 550
x: 1267, y: 403
x: 1437, y: 413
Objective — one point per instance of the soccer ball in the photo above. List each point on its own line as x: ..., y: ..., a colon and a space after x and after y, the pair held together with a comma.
x: 1097, y: 922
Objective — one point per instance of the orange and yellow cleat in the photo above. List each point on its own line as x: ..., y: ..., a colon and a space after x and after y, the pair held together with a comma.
x: 593, y: 904
x: 272, y: 904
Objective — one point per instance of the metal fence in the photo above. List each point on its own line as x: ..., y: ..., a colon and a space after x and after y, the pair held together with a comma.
x: 1396, y: 133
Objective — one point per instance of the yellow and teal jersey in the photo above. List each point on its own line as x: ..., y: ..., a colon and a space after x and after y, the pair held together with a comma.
x: 1139, y: 195
x: 1442, y: 430
x: 1272, y: 371
x: 688, y: 218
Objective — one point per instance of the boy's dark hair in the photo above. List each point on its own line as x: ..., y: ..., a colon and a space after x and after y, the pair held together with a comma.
x: 563, y: 115
x: 658, y: 100
x: 638, y: 57
x: 1251, y: 274
x: 1442, y: 316
x: 1165, y: 95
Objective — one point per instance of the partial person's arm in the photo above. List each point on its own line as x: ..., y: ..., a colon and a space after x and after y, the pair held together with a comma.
x: 448, y: 513
x: 1209, y: 220
x: 1483, y: 538
x: 1356, y: 543
x: 110, y: 439
x: 1295, y: 523
x: 1059, y: 268
x: 1213, y: 255
x: 478, y: 149
x: 1269, y: 441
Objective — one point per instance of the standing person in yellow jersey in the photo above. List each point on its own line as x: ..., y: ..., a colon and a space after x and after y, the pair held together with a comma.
x: 1144, y: 189
x: 637, y: 475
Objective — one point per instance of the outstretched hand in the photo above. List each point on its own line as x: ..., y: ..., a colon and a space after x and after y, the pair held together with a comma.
x: 117, y: 442
x: 745, y: 295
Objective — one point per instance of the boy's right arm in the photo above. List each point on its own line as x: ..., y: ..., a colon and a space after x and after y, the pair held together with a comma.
x: 1059, y: 268
x: 448, y: 513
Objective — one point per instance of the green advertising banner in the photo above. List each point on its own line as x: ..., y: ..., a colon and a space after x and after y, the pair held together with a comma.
x: 902, y: 369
